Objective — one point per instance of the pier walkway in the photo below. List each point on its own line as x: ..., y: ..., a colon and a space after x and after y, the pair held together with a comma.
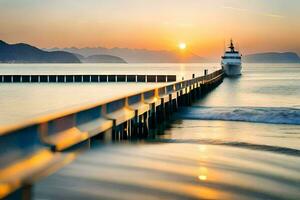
x: 40, y: 146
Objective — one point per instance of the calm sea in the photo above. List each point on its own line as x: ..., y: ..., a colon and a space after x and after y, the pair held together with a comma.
x: 241, y: 141
x: 22, y: 101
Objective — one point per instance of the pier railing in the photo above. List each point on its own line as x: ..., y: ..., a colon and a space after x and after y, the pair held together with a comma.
x: 35, y: 148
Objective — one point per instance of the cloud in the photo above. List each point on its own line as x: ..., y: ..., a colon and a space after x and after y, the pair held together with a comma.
x: 274, y: 15
x: 254, y: 12
x: 234, y: 8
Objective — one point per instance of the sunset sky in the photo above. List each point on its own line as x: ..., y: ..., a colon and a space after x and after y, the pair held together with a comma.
x: 257, y: 25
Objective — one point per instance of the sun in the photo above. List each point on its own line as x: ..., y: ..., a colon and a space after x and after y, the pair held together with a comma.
x: 182, y: 45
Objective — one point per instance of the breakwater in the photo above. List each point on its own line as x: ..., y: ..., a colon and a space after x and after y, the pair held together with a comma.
x: 85, y: 78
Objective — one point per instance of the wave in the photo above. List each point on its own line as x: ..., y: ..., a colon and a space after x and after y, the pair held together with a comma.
x: 274, y: 115
x: 245, y: 145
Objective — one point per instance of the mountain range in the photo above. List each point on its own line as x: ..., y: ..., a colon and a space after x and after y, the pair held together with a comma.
x: 24, y: 53
x: 272, y: 57
x: 149, y: 56
x: 100, y: 59
x: 136, y: 55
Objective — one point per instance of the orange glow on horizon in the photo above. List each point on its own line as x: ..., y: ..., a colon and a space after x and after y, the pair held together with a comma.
x: 137, y: 27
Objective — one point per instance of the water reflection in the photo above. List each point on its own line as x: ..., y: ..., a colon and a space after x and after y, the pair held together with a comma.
x: 172, y: 171
x: 194, y: 158
x: 203, y: 174
x: 182, y: 166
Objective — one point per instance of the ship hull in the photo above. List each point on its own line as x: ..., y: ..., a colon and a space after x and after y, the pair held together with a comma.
x: 232, y: 69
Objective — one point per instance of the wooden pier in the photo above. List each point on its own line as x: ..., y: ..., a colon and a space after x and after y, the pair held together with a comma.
x: 39, y: 147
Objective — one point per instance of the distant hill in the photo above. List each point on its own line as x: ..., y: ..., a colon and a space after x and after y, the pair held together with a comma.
x: 100, y: 59
x: 135, y: 55
x: 24, y: 53
x: 150, y: 56
x: 272, y: 57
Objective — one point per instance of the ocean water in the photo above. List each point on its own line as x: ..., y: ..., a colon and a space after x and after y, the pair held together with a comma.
x: 22, y: 101
x: 249, y: 127
x: 181, y: 70
x: 241, y: 141
x: 252, y: 126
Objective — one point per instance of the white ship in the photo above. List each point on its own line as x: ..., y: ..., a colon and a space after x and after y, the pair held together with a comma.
x: 231, y: 62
